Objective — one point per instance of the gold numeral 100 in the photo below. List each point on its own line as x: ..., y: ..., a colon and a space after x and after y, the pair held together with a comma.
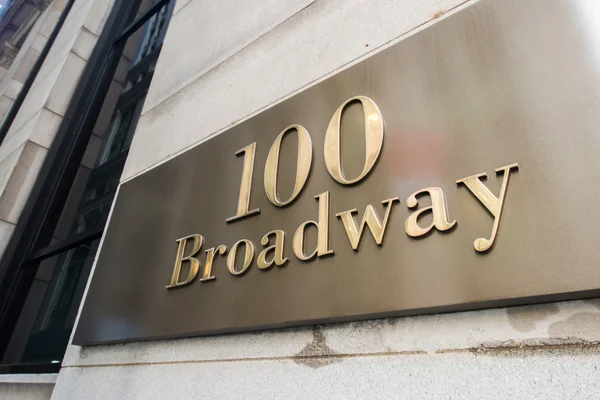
x: 302, y: 168
x: 374, y: 130
x: 373, y: 138
x: 246, y: 185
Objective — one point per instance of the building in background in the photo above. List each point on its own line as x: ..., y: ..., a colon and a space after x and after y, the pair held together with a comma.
x: 80, y: 77
x: 17, y: 20
x: 20, y: 19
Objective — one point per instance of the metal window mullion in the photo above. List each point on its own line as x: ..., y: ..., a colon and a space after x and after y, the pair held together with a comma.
x: 130, y: 30
x: 64, y: 245
x: 143, y: 64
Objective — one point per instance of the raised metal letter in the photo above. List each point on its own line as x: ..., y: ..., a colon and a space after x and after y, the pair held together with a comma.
x: 179, y: 259
x: 322, y: 226
x: 248, y: 255
x: 277, y: 250
x: 492, y: 203
x: 373, y: 138
x: 246, y: 183
x: 210, y: 256
x: 437, y: 208
x: 369, y: 219
x: 302, y: 169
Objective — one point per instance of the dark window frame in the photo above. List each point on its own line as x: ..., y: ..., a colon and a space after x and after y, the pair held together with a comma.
x: 31, y: 240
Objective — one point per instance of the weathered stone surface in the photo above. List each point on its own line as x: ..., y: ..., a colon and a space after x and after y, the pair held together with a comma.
x: 557, y: 373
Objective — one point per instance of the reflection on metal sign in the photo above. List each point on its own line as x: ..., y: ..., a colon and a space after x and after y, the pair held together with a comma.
x: 366, y: 195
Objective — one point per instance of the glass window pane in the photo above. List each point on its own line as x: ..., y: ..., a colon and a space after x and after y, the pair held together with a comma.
x: 46, y: 321
x: 88, y: 207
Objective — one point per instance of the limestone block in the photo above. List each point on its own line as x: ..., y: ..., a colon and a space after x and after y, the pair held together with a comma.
x: 97, y: 16
x: 27, y: 386
x: 25, y: 391
x: 7, y: 166
x: 6, y: 231
x: 56, y: 57
x: 84, y: 44
x: 26, y: 65
x: 21, y: 181
x: 5, y: 104
x: 50, y: 21
x: 67, y: 80
x: 39, y: 42
x: 39, y: 92
x: 12, y: 89
x: 74, y: 21
x: 40, y: 129
x: 222, y: 29
x: 46, y: 128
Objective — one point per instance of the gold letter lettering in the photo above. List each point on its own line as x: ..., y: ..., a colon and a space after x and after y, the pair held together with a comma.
x: 322, y: 231
x: 277, y: 250
x: 179, y: 259
x: 437, y: 208
x: 302, y: 168
x: 370, y: 219
x: 373, y: 138
x: 492, y: 203
x: 246, y: 183
x: 248, y: 255
x: 210, y: 256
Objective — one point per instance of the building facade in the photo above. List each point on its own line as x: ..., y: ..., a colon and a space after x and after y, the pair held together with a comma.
x: 122, y: 88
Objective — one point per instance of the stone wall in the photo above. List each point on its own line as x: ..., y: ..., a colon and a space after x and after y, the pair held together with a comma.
x: 545, y: 351
x: 27, y: 386
x: 225, y: 61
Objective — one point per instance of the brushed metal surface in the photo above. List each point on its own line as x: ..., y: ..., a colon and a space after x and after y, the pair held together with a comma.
x: 500, y: 82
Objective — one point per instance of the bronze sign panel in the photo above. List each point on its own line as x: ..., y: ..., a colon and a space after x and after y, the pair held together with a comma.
x: 366, y: 195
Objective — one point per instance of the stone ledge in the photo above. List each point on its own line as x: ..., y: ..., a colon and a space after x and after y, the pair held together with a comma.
x: 29, y: 378
x: 532, y: 375
x: 571, y: 325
